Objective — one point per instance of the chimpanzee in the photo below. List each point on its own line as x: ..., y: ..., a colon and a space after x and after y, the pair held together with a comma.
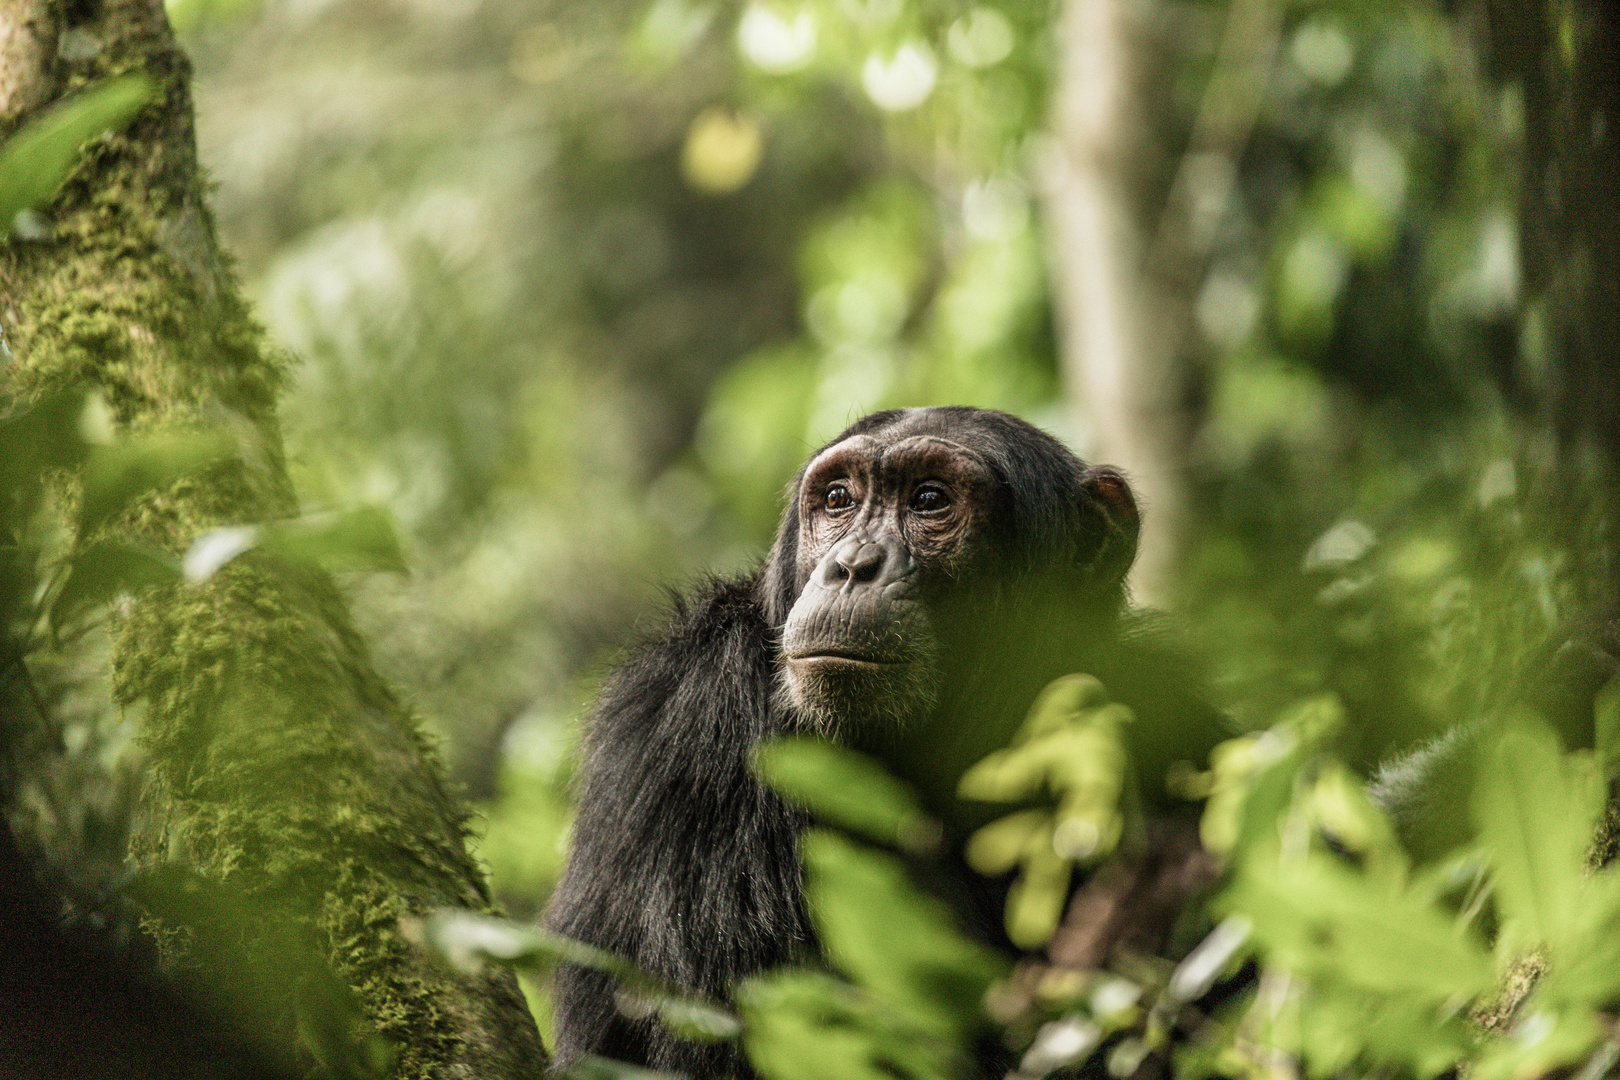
x: 934, y: 569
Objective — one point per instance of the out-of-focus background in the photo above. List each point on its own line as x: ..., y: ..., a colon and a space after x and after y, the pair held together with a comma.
x: 573, y: 288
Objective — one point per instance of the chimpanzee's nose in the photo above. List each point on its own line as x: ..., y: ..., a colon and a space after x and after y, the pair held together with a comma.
x: 862, y: 560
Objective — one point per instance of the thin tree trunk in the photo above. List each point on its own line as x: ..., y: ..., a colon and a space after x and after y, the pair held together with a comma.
x: 1125, y: 283
x: 1566, y: 57
x: 1123, y: 391
x: 280, y: 763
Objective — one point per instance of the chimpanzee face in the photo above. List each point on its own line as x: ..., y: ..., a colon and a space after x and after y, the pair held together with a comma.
x: 885, y: 526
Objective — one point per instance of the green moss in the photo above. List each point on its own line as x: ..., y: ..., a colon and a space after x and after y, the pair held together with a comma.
x: 280, y: 763
x: 1497, y: 1013
x: 1606, y: 841
x: 283, y: 766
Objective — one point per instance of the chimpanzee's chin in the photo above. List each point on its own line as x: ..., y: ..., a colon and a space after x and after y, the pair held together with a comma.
x: 833, y: 694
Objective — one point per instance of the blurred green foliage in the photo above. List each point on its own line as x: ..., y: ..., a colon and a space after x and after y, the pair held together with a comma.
x: 848, y: 789
x: 1070, y: 748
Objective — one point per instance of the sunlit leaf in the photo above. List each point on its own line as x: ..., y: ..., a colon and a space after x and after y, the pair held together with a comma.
x: 1338, y: 1026
x: 1060, y: 1044
x: 1315, y: 917
x: 1071, y: 748
x: 775, y: 41
x: 361, y: 539
x: 1198, y: 971
x: 1035, y: 901
x: 722, y: 151
x: 467, y: 941
x: 692, y: 1018
x: 216, y: 547
x: 900, y: 80
x: 998, y: 847
x: 1535, y: 811
x: 1282, y: 753
x: 1585, y: 970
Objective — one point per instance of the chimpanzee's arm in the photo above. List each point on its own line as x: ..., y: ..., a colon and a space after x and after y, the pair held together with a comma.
x: 680, y: 860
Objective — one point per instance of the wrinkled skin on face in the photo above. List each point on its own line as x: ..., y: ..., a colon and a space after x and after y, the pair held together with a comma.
x: 884, y: 528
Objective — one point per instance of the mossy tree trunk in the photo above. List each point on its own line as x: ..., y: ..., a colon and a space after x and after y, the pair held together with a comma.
x: 279, y: 762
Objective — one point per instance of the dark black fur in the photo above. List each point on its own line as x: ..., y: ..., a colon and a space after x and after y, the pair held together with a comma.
x: 681, y: 860
x: 686, y: 865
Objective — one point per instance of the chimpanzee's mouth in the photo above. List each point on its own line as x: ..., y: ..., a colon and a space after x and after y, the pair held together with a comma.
x: 833, y: 656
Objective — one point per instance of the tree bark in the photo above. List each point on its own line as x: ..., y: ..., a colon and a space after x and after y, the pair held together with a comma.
x: 280, y: 764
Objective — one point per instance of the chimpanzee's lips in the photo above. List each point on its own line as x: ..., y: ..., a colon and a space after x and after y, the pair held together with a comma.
x: 834, y: 656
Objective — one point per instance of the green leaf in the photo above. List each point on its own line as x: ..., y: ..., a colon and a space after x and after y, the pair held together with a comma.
x: 242, y: 953
x: 1315, y: 917
x: 1268, y: 798
x: 1535, y: 811
x: 693, y: 1018
x: 43, y: 435
x: 998, y: 847
x: 890, y: 938
x: 326, y: 1028
x: 1035, y: 901
x: 1540, y: 1042
x: 1338, y: 802
x: 102, y: 570
x: 591, y: 1067
x: 216, y: 547
x: 1041, y: 753
x: 35, y: 161
x: 1585, y: 971
x: 1338, y: 1026
x: 847, y: 789
x: 467, y: 941
x: 117, y: 475
x: 806, y: 1025
x: 1606, y: 717
x: 1071, y: 747
x: 361, y: 539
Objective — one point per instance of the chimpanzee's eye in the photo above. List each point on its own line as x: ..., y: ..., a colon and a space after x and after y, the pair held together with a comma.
x: 838, y: 498
x: 929, y: 499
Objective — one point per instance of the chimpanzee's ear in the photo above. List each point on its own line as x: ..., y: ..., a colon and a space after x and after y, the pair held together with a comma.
x: 1113, y: 541
x: 779, y: 585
